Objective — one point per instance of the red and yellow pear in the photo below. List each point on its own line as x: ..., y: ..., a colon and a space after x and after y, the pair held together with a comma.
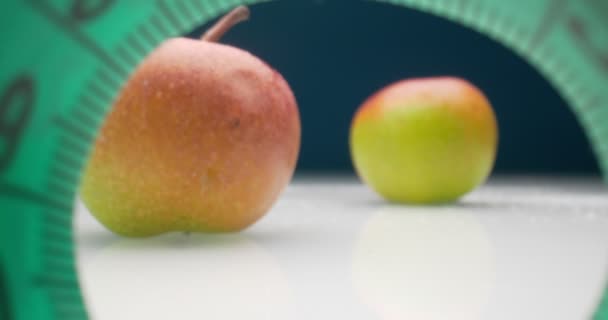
x: 203, y: 137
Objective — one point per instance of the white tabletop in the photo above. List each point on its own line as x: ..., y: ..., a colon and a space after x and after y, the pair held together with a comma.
x: 517, y: 248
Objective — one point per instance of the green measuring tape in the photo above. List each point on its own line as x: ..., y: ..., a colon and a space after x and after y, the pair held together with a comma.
x: 62, y: 61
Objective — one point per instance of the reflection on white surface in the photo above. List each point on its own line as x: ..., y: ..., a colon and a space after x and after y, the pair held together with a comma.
x: 524, y: 249
x: 186, y: 277
x: 416, y: 263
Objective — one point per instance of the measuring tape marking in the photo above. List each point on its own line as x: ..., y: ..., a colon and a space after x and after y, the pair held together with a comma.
x: 23, y: 193
x: 58, y: 174
x: 168, y: 14
x: 185, y: 12
x: 578, y: 29
x: 146, y: 35
x: 12, y: 126
x: 60, y: 189
x: 73, y: 127
x: 60, y: 194
x: 135, y: 43
x: 126, y: 56
x: 548, y: 22
x: 64, y: 174
x: 70, y: 27
x: 56, y: 222
x: 97, y: 89
x: 80, y: 12
x: 159, y: 25
x: 96, y: 105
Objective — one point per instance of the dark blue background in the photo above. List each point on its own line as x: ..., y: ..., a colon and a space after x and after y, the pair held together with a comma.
x: 334, y: 54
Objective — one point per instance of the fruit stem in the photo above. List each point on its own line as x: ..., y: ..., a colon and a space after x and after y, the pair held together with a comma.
x: 238, y: 14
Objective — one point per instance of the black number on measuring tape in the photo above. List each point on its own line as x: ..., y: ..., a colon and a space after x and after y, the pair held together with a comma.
x: 557, y: 12
x: 83, y: 10
x: 16, y: 104
x: 581, y: 35
x: 5, y: 311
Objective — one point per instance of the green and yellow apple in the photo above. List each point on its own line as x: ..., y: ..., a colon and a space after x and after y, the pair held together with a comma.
x: 427, y: 140
x: 203, y: 137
